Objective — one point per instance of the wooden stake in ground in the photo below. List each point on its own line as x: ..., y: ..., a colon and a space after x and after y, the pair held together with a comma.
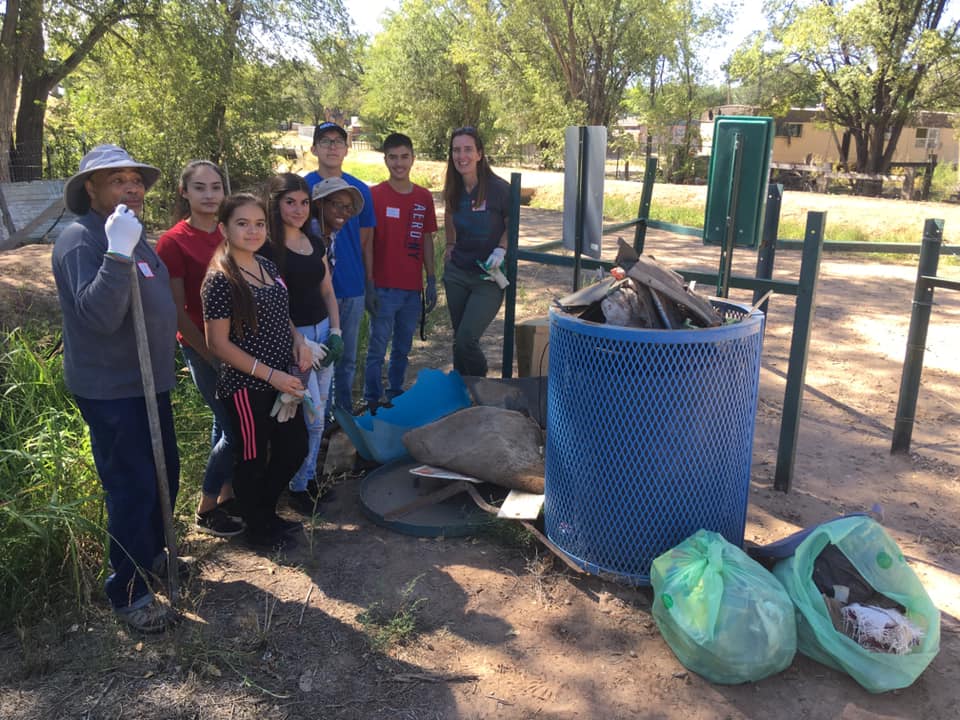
x: 156, y: 436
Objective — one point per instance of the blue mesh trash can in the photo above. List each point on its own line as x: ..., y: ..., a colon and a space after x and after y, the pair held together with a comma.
x: 649, y: 437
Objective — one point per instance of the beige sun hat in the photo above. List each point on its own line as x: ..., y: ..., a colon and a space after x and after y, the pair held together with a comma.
x: 102, y: 157
x: 332, y: 185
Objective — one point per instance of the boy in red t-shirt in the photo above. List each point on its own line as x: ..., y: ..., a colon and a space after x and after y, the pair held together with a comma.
x: 401, y: 251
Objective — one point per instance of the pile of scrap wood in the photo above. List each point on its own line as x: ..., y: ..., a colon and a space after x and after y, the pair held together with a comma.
x: 642, y: 293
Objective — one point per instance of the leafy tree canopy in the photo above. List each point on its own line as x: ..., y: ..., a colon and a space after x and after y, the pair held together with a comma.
x: 872, y: 65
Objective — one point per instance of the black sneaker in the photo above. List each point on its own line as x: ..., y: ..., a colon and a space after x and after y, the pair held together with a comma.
x: 268, y: 539
x: 303, y: 502
x: 217, y: 522
x: 232, y: 508
x: 330, y: 427
x: 323, y: 493
x: 284, y: 527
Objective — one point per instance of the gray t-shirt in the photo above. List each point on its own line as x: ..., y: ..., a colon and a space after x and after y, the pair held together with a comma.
x: 100, y: 360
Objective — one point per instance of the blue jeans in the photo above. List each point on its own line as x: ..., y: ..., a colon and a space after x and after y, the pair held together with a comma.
x: 221, y: 461
x: 351, y: 313
x: 123, y: 453
x: 318, y: 385
x: 397, y: 316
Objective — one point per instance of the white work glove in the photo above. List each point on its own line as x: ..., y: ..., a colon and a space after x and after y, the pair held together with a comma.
x: 123, y: 232
x: 318, y: 352
x: 495, y: 260
x: 493, y: 267
x: 284, y: 407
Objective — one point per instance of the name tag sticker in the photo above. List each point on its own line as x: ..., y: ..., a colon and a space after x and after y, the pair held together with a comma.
x: 480, y: 207
x: 393, y: 212
x: 145, y: 269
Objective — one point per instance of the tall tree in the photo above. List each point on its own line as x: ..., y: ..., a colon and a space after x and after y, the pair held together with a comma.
x: 40, y: 44
x: 875, y: 63
x: 414, y: 82
x: 592, y: 48
x: 675, y: 94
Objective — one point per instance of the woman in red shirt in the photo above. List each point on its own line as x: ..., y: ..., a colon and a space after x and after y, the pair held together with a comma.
x: 186, y: 249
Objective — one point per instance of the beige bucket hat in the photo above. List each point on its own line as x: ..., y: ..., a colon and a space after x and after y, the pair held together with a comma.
x: 102, y: 157
x: 332, y: 185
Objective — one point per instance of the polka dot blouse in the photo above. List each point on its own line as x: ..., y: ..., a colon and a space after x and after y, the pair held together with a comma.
x: 272, y: 344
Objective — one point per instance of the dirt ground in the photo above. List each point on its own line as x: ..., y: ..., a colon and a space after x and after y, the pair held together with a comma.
x: 503, y: 629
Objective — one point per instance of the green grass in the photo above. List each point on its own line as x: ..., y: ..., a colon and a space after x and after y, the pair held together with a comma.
x: 394, y: 625
x: 369, y: 167
x: 52, y: 518
x: 620, y: 207
x: 51, y: 515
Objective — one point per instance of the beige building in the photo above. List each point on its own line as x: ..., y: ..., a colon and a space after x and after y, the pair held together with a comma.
x: 803, y: 137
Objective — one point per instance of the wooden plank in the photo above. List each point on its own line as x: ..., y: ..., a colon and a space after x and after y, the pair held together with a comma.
x: 669, y: 284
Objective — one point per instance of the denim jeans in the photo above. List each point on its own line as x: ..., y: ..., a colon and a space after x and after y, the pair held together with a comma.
x: 351, y: 313
x: 123, y: 453
x: 318, y: 385
x: 395, y: 323
x: 473, y: 304
x: 221, y: 461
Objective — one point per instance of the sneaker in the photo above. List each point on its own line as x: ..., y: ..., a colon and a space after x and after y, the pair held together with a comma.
x: 323, y: 493
x: 285, y: 527
x: 232, y: 508
x: 154, y: 617
x: 303, y: 502
x: 330, y: 427
x: 268, y: 539
x: 217, y: 522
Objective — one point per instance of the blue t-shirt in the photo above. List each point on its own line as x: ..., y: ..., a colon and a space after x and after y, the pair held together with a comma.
x: 480, y: 227
x: 349, y: 277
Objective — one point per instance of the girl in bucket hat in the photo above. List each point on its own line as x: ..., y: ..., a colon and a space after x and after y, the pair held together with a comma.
x: 92, y: 267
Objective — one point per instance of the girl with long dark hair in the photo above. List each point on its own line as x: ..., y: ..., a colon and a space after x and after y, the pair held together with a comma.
x: 476, y: 207
x: 247, y: 320
x: 186, y: 249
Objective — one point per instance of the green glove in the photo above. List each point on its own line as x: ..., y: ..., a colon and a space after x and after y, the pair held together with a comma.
x: 334, y: 345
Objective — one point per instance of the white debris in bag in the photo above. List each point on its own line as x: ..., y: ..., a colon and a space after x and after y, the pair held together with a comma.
x: 880, y: 629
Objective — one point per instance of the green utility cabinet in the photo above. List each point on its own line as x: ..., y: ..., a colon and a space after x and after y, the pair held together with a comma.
x: 739, y: 166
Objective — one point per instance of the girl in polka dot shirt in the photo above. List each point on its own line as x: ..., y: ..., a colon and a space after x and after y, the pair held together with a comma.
x: 248, y: 328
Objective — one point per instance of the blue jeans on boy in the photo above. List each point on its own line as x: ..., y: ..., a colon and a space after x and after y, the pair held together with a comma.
x: 122, y: 450
x: 395, y: 322
x: 318, y: 386
x: 351, y: 314
x: 221, y: 461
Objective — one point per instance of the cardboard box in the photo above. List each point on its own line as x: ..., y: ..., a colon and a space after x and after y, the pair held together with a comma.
x: 532, y: 340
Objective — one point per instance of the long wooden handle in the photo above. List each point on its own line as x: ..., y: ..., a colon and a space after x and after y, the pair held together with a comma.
x: 156, y: 435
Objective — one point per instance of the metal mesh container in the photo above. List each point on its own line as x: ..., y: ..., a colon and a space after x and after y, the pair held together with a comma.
x: 649, y: 437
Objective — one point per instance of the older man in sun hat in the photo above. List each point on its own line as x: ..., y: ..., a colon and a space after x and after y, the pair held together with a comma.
x: 92, y: 262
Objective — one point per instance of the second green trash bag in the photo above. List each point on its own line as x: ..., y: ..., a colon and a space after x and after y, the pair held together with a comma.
x: 723, y: 614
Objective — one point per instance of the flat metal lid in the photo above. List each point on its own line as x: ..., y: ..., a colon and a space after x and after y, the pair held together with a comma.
x: 392, y: 486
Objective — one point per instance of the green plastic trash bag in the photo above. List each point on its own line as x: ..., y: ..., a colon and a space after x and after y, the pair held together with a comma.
x: 721, y: 612
x: 878, y: 559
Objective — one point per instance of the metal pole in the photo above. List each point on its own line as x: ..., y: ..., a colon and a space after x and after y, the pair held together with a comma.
x: 768, y: 243
x: 156, y: 436
x: 917, y: 336
x: 726, y: 252
x: 646, y: 195
x: 799, y: 346
x: 513, y: 243
x: 581, y: 200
